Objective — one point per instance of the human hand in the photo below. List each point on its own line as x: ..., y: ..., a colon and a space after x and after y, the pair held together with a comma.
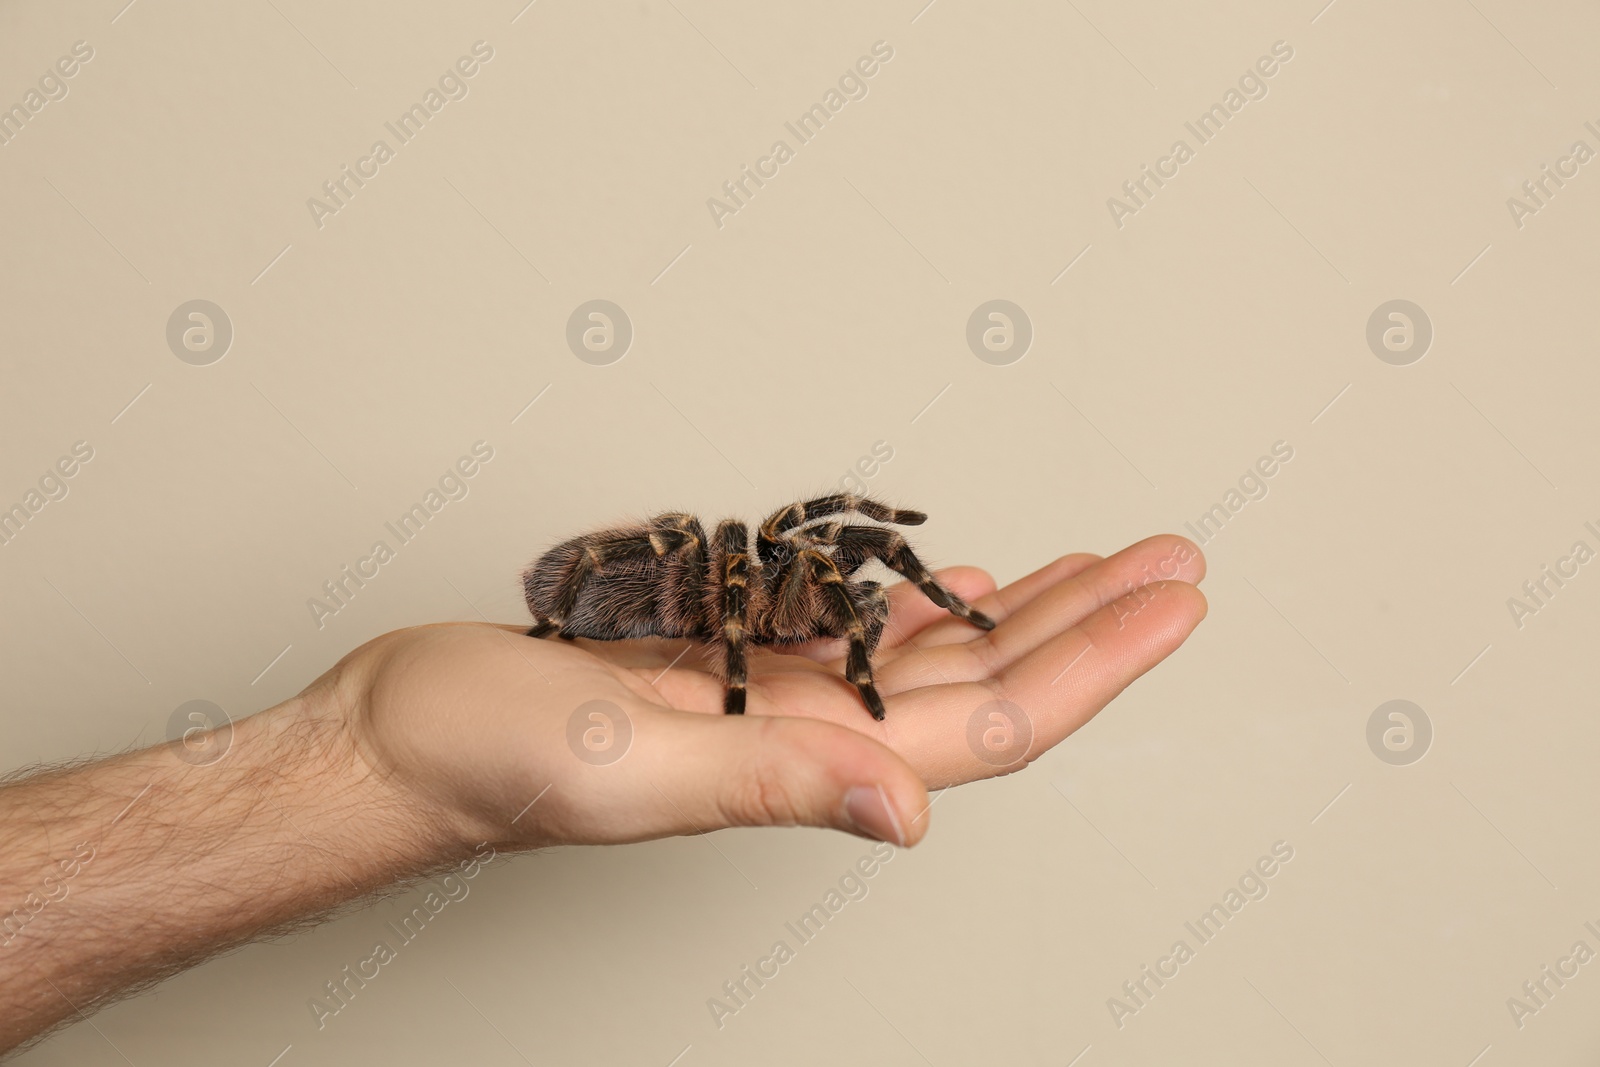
x: 468, y: 723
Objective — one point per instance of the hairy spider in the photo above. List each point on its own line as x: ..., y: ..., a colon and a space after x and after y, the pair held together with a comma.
x: 665, y: 578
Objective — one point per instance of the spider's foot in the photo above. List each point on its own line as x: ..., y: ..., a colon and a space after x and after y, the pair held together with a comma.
x: 869, y: 693
x: 960, y: 608
x: 733, y: 702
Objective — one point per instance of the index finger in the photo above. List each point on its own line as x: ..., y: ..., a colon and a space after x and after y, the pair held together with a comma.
x: 965, y: 731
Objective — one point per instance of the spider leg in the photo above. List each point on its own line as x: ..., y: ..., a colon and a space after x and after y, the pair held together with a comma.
x: 857, y: 544
x: 876, y: 600
x: 860, y: 614
x: 587, y: 565
x: 797, y: 514
x: 732, y: 538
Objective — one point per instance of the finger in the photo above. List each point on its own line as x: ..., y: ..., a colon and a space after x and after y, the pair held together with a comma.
x: 687, y: 773
x: 1003, y: 603
x: 910, y: 612
x: 1106, y: 652
x: 1055, y: 689
x: 917, y: 622
x: 1164, y: 558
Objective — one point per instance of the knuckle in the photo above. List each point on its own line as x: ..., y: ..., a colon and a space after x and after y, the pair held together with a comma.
x: 763, y: 793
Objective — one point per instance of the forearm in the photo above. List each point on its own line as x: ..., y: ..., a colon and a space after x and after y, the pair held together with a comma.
x: 117, y: 873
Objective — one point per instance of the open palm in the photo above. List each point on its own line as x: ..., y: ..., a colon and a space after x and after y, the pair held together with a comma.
x: 527, y: 742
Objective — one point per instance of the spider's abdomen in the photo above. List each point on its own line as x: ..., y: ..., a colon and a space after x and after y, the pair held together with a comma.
x: 621, y: 584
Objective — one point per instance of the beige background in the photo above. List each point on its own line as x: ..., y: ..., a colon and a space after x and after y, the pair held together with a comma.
x: 769, y: 355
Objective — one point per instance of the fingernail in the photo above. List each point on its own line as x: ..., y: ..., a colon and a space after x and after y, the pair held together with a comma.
x: 869, y: 811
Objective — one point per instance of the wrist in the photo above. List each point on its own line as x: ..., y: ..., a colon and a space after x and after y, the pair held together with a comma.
x: 130, y: 868
x: 410, y: 732
x: 356, y: 807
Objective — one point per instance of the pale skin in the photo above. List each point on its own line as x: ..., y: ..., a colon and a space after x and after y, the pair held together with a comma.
x: 424, y: 743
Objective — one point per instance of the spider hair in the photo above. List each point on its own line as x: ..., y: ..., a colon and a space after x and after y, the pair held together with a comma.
x: 792, y: 579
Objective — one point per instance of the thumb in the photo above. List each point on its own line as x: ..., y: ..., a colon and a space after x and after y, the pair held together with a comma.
x: 693, y: 772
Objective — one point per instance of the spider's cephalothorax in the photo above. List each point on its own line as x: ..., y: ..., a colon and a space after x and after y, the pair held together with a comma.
x: 666, y: 578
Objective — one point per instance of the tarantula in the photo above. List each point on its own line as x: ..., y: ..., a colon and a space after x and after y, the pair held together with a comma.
x: 665, y: 578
